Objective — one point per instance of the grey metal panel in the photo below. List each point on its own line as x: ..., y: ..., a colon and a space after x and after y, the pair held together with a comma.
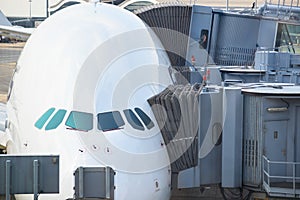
x: 94, y: 182
x: 200, y: 21
x: 297, y: 139
x: 237, y: 40
x: 210, y: 136
x: 252, y: 141
x: 232, y: 138
x: 272, y: 60
x: 189, y: 178
x: 22, y: 174
x: 214, y: 36
x: 275, y: 145
x: 210, y: 143
x: 238, y: 31
x: 267, y: 33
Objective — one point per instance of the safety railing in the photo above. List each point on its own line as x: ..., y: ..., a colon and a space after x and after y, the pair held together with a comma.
x: 280, y: 178
x: 291, y: 3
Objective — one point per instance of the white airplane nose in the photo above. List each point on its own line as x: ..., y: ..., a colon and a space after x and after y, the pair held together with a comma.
x: 77, y: 70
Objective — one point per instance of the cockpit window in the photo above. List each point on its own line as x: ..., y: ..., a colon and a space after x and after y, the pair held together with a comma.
x: 42, y: 120
x: 144, y: 117
x: 80, y: 121
x: 110, y: 121
x: 56, y: 120
x: 133, y: 120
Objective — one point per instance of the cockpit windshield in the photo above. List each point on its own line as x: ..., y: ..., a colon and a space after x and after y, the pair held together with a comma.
x: 146, y: 120
x: 106, y: 121
x: 133, y: 120
x: 110, y: 121
x: 80, y: 121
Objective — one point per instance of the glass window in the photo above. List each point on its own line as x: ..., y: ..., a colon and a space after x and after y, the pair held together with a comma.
x: 136, y: 5
x: 56, y: 120
x: 288, y: 38
x: 110, y: 121
x: 80, y: 121
x: 42, y: 120
x: 144, y: 117
x: 133, y: 120
x: 203, y: 38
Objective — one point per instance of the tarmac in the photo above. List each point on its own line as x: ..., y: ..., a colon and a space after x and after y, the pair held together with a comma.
x: 9, y: 54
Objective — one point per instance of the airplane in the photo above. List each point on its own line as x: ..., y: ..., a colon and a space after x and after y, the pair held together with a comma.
x: 22, y: 34
x: 61, y: 4
x: 132, y: 5
x: 85, y: 99
x: 13, y: 32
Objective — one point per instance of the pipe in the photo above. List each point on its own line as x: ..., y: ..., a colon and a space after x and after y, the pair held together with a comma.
x: 276, y: 8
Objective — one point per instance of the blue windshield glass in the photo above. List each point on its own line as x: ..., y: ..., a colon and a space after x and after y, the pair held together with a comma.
x: 80, y: 121
x: 110, y: 121
x: 56, y: 120
x: 144, y: 117
x: 133, y: 120
x: 42, y: 120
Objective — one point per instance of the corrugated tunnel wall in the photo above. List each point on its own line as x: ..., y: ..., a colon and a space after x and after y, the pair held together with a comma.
x: 171, y: 23
x: 176, y: 110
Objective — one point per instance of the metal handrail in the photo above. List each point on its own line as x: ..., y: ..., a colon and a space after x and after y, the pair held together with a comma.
x: 267, y: 173
x: 280, y: 162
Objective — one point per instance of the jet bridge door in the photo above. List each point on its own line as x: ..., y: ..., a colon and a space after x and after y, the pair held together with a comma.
x: 297, y: 140
x: 275, y: 144
x: 199, y: 38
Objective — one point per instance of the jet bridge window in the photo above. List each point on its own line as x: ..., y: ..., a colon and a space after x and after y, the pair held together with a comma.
x: 56, y: 120
x: 288, y: 38
x: 80, y: 121
x: 133, y: 120
x: 108, y: 121
x: 144, y: 117
x: 203, y: 38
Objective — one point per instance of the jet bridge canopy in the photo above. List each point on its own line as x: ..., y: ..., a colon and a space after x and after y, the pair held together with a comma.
x: 178, y: 122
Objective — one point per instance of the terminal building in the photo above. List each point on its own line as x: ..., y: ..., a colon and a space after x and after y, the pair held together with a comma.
x: 29, y: 13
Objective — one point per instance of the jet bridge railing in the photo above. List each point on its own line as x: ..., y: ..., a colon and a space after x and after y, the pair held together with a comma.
x: 281, y: 184
x: 281, y: 9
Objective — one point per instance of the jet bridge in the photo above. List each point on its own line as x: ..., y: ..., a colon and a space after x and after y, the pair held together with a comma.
x: 202, y: 148
x: 176, y: 111
x: 271, y: 141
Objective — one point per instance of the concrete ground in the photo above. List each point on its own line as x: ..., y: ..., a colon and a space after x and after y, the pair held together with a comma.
x: 9, y: 54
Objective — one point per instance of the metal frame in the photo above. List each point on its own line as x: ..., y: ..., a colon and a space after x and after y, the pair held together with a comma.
x: 280, y: 191
x: 94, y: 182
x: 35, y: 169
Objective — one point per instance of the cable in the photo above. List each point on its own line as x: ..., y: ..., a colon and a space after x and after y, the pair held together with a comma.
x: 287, y: 103
x: 233, y: 194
